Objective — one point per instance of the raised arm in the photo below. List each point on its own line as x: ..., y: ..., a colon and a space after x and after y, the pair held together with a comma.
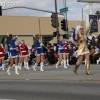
x: 15, y: 38
x: 88, y: 28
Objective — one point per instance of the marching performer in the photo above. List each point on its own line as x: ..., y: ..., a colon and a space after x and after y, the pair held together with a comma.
x: 80, y: 37
x: 1, y: 57
x: 39, y: 53
x: 19, y: 55
x: 66, y: 51
x: 61, y: 52
x: 13, y: 53
x: 23, y: 49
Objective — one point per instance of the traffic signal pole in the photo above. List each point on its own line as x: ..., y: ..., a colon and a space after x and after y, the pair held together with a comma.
x: 65, y: 15
x: 56, y: 20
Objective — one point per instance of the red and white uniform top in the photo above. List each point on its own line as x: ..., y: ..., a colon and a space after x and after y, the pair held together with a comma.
x: 66, y: 47
x: 19, y: 50
x: 1, y: 52
x: 23, y: 50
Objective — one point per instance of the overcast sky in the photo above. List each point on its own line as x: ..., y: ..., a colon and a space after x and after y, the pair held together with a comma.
x: 74, y: 8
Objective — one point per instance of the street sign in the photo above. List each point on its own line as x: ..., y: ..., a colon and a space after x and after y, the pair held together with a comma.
x: 94, y: 26
x: 63, y: 10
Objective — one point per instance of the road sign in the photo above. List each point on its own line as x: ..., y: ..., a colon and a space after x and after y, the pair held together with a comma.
x: 94, y: 26
x: 63, y: 10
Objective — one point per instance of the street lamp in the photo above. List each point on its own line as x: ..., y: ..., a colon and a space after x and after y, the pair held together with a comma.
x: 82, y: 14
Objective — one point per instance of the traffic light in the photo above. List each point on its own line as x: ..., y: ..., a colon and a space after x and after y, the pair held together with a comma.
x: 65, y: 36
x: 0, y: 11
x: 55, y: 34
x: 63, y: 25
x: 53, y: 20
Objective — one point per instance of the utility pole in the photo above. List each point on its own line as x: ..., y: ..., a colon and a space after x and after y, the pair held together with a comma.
x: 82, y: 15
x: 56, y: 19
x: 65, y: 15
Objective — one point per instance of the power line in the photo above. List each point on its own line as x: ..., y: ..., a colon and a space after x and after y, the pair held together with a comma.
x: 32, y: 9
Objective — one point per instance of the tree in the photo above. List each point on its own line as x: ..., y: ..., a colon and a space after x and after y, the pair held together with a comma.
x: 98, y: 14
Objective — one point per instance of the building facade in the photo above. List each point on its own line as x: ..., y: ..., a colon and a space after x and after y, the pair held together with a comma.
x: 25, y: 27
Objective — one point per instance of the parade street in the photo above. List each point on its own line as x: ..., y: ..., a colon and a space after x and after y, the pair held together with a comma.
x: 53, y: 84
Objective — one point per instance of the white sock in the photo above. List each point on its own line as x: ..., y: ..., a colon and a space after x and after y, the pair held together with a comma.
x: 41, y: 66
x: 27, y: 65
x: 67, y: 61
x: 8, y: 71
x: 34, y: 67
x: 16, y: 70
x: 24, y: 64
x: 3, y: 67
x: 57, y: 64
x: 65, y: 64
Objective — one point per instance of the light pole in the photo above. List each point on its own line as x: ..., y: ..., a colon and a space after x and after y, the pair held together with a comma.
x: 56, y: 20
x: 82, y: 14
x: 76, y: 20
x: 65, y: 15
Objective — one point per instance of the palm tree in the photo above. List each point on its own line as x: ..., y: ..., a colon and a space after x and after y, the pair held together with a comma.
x: 98, y: 14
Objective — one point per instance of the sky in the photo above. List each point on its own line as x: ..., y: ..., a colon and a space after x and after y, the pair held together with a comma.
x: 74, y: 8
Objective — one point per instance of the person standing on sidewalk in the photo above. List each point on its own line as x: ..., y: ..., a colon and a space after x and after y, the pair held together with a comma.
x: 80, y: 37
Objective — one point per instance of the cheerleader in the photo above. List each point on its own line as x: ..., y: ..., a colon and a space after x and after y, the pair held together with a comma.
x: 39, y: 53
x: 66, y: 51
x: 80, y: 36
x: 61, y: 52
x: 13, y: 53
x: 19, y: 55
x: 23, y: 49
x: 1, y: 57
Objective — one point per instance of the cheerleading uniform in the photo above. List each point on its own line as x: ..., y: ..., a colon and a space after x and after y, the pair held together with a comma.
x: 38, y: 48
x: 2, y: 57
x: 1, y: 52
x: 82, y: 47
x: 60, y: 47
x: 13, y: 48
x: 19, y: 50
x: 66, y: 48
x: 81, y: 42
x: 24, y: 50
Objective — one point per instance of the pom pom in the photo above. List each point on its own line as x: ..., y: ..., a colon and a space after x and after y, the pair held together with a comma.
x: 7, y: 34
x: 34, y: 35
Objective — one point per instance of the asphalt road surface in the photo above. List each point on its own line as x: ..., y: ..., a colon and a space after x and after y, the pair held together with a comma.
x: 53, y: 84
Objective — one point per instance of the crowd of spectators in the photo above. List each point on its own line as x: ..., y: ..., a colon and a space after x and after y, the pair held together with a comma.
x: 51, y: 56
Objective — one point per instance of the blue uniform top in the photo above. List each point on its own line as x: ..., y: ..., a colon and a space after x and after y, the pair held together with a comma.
x: 60, y: 45
x: 38, y: 47
x: 12, y: 45
x: 37, y: 44
x: 13, y: 48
